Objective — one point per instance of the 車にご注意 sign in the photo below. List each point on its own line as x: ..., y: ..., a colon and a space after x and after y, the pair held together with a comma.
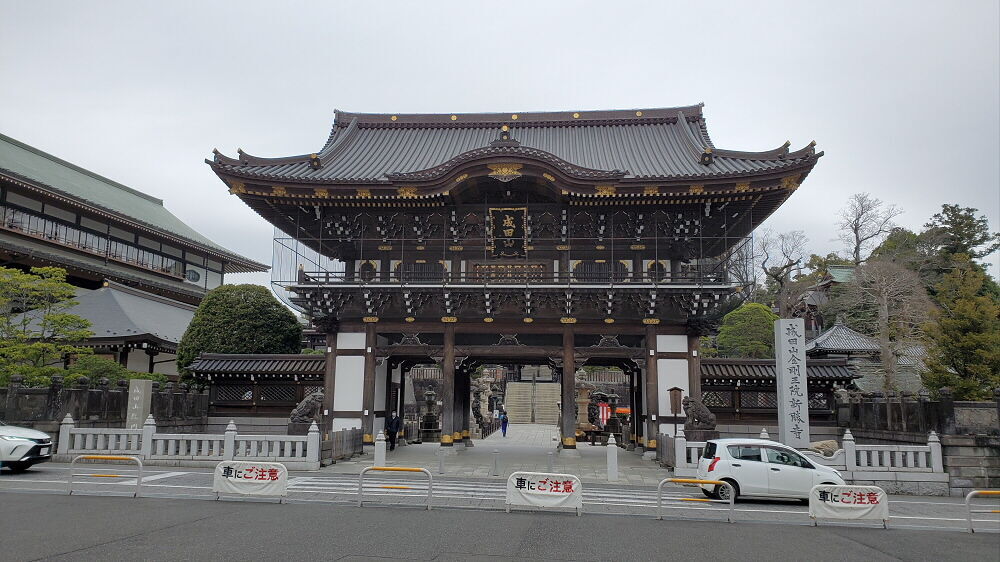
x: 544, y: 490
x: 251, y: 478
x: 848, y: 502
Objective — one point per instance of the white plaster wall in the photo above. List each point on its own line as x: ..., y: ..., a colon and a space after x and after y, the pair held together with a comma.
x: 351, y: 340
x: 397, y: 374
x: 381, y: 371
x: 350, y: 383
x: 671, y: 344
x: 670, y: 373
x: 346, y: 423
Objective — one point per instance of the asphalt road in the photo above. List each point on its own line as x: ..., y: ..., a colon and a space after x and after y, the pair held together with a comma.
x: 54, y: 527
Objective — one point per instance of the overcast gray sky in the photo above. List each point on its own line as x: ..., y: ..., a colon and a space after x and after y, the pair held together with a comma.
x: 902, y: 96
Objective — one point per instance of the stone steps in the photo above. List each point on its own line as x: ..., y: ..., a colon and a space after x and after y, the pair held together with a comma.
x: 518, y: 402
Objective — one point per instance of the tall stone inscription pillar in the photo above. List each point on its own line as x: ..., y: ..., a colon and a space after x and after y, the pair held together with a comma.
x: 793, y: 392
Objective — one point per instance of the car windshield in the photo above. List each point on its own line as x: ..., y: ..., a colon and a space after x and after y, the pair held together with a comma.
x: 709, y: 450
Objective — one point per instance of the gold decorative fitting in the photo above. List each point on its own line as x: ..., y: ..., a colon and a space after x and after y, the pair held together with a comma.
x: 651, y: 443
x: 637, y: 247
x: 741, y: 187
x: 461, y: 178
x: 487, y: 320
x: 364, y: 193
x: 598, y: 247
x: 384, y: 248
x: 505, y: 172
x: 529, y: 320
x: 650, y: 321
x: 455, y: 248
x: 237, y: 187
x: 549, y: 177
x: 605, y: 190
x: 562, y: 247
x: 321, y: 192
x: 421, y: 248
x: 505, y: 128
x: 420, y: 261
x: 409, y: 319
x: 569, y: 441
x: 600, y: 261
x: 567, y: 320
x: 638, y: 114
x: 370, y: 319
x: 279, y: 191
x: 393, y: 118
x: 564, y: 192
x: 449, y: 319
x: 445, y: 438
x: 651, y: 190
x: 576, y: 116
x: 609, y: 320
x: 407, y: 192
x: 696, y: 189
x: 454, y: 117
x: 790, y: 182
x: 514, y: 117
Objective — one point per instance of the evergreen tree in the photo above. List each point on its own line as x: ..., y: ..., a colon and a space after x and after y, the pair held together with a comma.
x: 964, y: 353
x: 239, y: 319
x: 747, y: 331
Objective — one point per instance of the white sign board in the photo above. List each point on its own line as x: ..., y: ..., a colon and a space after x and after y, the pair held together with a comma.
x: 793, y: 390
x: 140, y: 393
x: 251, y: 478
x: 544, y: 490
x: 848, y: 502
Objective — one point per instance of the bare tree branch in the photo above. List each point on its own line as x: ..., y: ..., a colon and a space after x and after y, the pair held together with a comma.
x: 864, y: 223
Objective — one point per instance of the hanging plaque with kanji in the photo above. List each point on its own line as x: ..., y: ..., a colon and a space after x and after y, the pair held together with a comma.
x: 508, y: 228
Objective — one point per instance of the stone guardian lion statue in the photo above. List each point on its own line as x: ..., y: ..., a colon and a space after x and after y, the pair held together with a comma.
x: 309, y: 409
x: 698, y: 415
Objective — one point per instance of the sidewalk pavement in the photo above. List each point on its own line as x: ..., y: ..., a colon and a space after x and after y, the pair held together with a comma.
x: 525, y: 448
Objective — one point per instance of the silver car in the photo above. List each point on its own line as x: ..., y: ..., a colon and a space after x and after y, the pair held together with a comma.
x: 20, y: 447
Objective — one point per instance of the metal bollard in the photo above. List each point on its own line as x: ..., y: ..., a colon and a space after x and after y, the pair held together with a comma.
x: 495, y: 471
x: 551, y: 456
x: 612, y: 459
x: 440, y: 455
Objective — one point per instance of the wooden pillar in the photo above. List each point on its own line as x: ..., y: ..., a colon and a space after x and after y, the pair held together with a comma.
x: 329, y: 383
x: 368, y: 394
x: 448, y: 387
x: 651, y: 389
x: 465, y: 403
x: 694, y: 367
x: 568, y: 425
x: 635, y: 392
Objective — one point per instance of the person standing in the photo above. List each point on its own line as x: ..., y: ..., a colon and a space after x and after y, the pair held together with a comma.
x: 392, y: 428
x: 503, y: 423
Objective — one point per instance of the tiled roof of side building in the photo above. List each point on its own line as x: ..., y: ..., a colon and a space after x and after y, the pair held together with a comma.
x: 258, y: 364
x: 841, y: 339
x: 763, y: 369
x: 666, y: 143
x: 27, y: 164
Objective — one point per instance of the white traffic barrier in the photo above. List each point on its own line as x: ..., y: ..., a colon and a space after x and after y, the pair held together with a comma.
x: 849, y: 502
x: 612, y: 459
x: 138, y: 479
x: 968, y: 505
x: 250, y: 478
x: 731, y: 502
x: 430, y: 480
x: 538, y: 489
x: 380, y: 449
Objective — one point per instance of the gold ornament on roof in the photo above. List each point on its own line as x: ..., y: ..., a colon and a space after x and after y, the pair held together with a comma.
x: 790, y: 182
x: 364, y: 193
x: 279, y: 191
x: 742, y: 187
x: 505, y: 172
x: 605, y: 190
x: 393, y: 118
x: 549, y: 177
x: 651, y: 190
x: 321, y: 192
x: 407, y: 192
x: 696, y: 189
x: 237, y: 187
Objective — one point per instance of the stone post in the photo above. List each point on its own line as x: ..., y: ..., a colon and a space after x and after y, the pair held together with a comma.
x: 380, y: 449
x: 850, y: 451
x: 947, y: 411
x: 54, y: 401
x: 313, y: 444
x: 64, y: 435
x: 148, y: 429
x: 680, y: 449
x: 612, y: 459
x: 996, y: 396
x: 11, y: 412
x: 937, y: 460
x: 229, y: 447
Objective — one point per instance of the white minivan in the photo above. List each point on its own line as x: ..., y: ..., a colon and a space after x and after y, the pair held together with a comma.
x: 759, y: 467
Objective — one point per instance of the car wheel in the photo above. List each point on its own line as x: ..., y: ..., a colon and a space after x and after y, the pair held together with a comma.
x: 722, y: 492
x: 17, y: 467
